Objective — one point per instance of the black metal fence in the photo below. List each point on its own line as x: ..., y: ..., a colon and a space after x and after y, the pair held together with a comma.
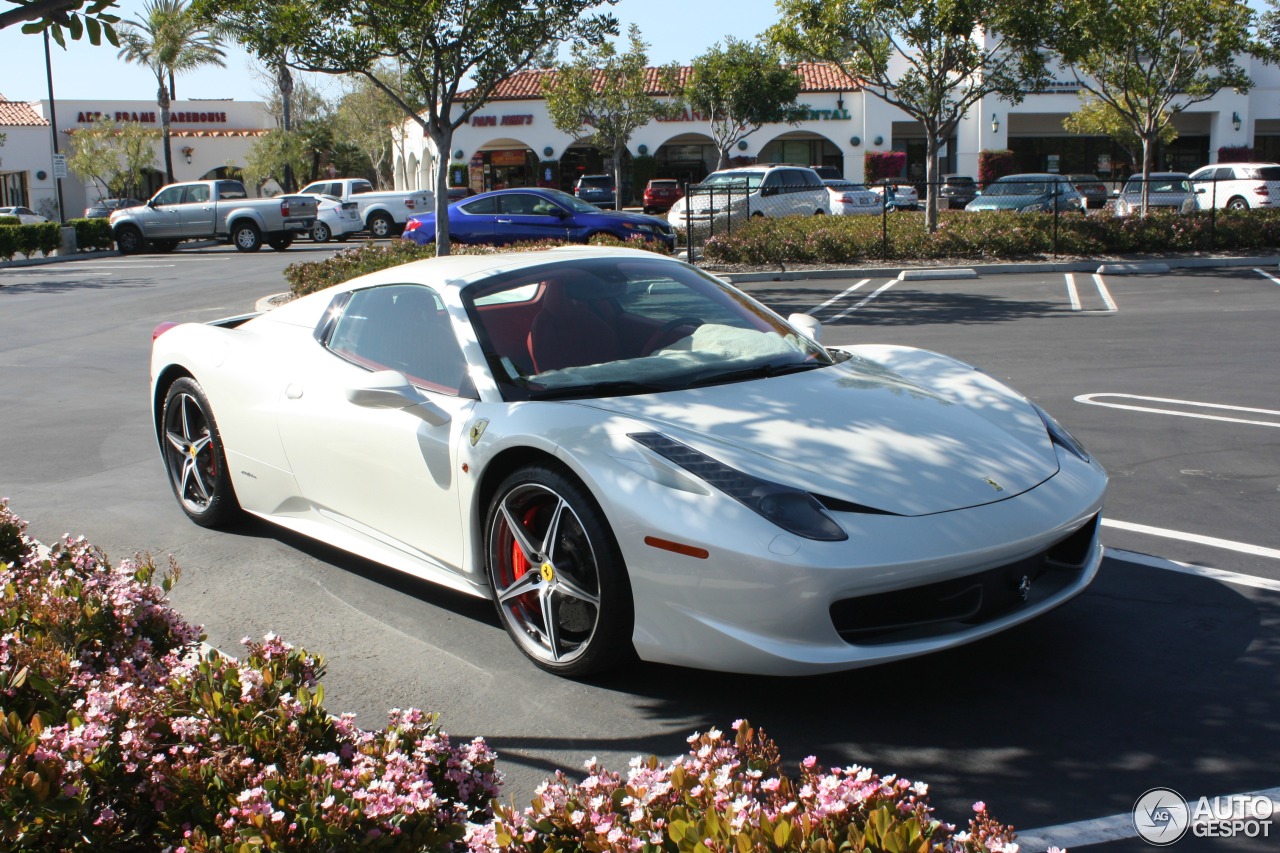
x: 706, y: 211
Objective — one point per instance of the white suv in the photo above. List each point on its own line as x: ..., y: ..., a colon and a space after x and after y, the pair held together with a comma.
x: 732, y: 196
x: 1237, y: 186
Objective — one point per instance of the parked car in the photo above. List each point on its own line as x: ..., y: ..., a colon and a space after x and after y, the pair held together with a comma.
x: 734, y: 195
x: 335, y: 219
x: 632, y: 458
x: 1237, y: 186
x: 383, y: 212
x: 1168, y: 190
x: 26, y: 216
x: 898, y: 196
x: 102, y: 208
x: 1030, y: 193
x: 850, y: 199
x: 218, y: 209
x: 596, y: 189
x: 1093, y: 192
x: 660, y: 194
x: 956, y: 191
x: 535, y: 213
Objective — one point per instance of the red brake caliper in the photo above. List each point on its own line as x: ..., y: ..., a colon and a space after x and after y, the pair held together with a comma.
x: 519, y: 563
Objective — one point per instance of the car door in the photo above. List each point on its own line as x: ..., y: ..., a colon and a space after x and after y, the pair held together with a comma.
x: 196, y: 211
x: 474, y: 221
x: 772, y: 198
x: 385, y: 473
x: 164, y: 219
x: 526, y: 216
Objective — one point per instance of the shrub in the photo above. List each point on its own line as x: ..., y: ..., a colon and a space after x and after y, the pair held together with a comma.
x: 93, y: 234
x: 1236, y: 154
x: 10, y: 220
x: 41, y: 237
x: 994, y: 163
x: 883, y: 164
x: 731, y: 795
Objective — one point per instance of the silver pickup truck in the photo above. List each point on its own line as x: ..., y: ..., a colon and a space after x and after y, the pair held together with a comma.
x: 220, y: 210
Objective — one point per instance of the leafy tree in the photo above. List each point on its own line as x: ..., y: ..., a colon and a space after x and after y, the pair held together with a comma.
x: 602, y: 97
x: 439, y: 46
x: 740, y: 88
x: 366, y: 118
x: 932, y: 59
x: 272, y: 154
x: 170, y: 41
x: 113, y: 156
x: 77, y: 17
x: 1149, y: 59
x: 1095, y: 118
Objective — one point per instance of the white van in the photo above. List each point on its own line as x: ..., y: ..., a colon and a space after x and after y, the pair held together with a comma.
x: 732, y: 196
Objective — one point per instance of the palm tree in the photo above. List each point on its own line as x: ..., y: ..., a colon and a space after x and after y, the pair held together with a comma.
x: 169, y: 40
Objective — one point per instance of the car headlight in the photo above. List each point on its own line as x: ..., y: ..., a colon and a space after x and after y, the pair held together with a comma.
x: 1038, y: 207
x: 1058, y: 434
x: 794, y: 510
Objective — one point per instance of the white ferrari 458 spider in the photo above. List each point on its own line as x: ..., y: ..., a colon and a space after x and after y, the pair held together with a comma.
x: 633, y: 458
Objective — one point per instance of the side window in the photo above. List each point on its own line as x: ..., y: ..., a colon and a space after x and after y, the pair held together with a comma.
x: 402, y: 327
x: 196, y: 193
x: 811, y: 180
x: 481, y: 206
x: 519, y: 204
x: 773, y: 181
x: 169, y: 195
x: 1225, y: 173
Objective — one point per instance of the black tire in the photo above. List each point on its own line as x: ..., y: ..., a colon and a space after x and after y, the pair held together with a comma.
x: 320, y: 232
x: 564, y: 561
x: 380, y: 225
x: 246, y: 237
x: 193, y: 456
x: 129, y: 240
x: 1237, y: 203
x: 280, y: 242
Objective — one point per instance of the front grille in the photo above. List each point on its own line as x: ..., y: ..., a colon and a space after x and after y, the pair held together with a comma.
x: 953, y: 605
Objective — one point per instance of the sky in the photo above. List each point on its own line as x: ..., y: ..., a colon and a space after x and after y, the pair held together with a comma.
x: 676, y: 31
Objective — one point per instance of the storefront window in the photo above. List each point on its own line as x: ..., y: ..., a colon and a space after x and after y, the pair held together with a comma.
x: 13, y: 189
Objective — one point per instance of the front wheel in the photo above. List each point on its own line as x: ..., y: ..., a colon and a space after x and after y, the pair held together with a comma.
x: 557, y: 575
x: 129, y: 240
x: 1237, y: 203
x: 194, y: 457
x: 380, y: 225
x: 246, y: 237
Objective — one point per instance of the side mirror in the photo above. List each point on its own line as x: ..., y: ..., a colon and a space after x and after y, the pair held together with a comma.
x: 807, y: 324
x: 766, y: 191
x: 389, y: 389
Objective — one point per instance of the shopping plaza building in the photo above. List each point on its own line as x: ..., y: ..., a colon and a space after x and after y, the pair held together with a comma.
x: 206, y: 138
x: 511, y: 140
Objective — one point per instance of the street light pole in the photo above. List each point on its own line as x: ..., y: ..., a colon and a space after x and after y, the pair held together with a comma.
x: 53, y: 123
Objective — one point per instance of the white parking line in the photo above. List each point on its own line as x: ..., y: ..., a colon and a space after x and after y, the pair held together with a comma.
x: 1206, y: 572
x: 840, y: 296
x: 1266, y: 274
x: 1104, y: 293
x: 881, y: 289
x: 1213, y: 542
x: 1104, y: 829
x: 1072, y: 292
x: 1097, y: 400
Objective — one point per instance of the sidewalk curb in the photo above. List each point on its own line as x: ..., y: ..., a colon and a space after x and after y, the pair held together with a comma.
x: 103, y: 253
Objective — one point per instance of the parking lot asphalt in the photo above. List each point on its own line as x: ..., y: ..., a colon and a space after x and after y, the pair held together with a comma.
x: 1162, y: 674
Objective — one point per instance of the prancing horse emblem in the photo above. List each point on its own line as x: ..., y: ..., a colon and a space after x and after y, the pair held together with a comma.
x: 993, y: 484
x: 477, y: 430
x: 1024, y: 587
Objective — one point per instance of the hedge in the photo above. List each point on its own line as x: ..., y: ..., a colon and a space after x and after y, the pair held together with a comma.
x: 93, y: 234
x: 989, y: 236
x: 41, y: 237
x: 119, y: 732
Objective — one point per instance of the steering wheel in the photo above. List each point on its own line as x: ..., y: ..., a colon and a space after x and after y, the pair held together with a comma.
x: 660, y: 338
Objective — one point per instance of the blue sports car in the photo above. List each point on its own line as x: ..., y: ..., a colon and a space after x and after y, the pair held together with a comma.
x: 532, y: 213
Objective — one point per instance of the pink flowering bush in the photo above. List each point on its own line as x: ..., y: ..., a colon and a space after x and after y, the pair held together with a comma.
x: 729, y: 794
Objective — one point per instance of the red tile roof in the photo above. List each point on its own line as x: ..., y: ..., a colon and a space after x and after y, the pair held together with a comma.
x: 527, y: 85
x: 19, y: 114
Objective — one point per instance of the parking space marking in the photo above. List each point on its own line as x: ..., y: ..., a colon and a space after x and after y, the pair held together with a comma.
x: 1104, y: 829
x: 1096, y: 400
x: 1072, y: 292
x: 840, y: 296
x: 1198, y: 539
x: 881, y: 289
x: 1104, y: 293
x: 1266, y: 274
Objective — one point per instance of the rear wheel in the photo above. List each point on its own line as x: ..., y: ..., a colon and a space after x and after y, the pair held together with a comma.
x: 129, y: 240
x: 1237, y: 203
x: 194, y: 457
x: 557, y: 575
x: 246, y: 237
x: 380, y: 225
x: 321, y: 233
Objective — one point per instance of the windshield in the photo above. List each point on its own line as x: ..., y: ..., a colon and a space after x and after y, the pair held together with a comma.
x: 572, y: 202
x: 750, y: 180
x: 1027, y: 187
x: 625, y: 325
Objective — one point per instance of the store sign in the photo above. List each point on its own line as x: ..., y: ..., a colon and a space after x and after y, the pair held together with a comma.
x: 501, y: 121
x: 507, y: 158
x: 828, y: 115
x: 89, y: 117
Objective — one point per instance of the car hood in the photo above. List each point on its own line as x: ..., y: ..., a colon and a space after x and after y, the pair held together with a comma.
x: 633, y: 218
x: 865, y: 434
x: 1007, y: 202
